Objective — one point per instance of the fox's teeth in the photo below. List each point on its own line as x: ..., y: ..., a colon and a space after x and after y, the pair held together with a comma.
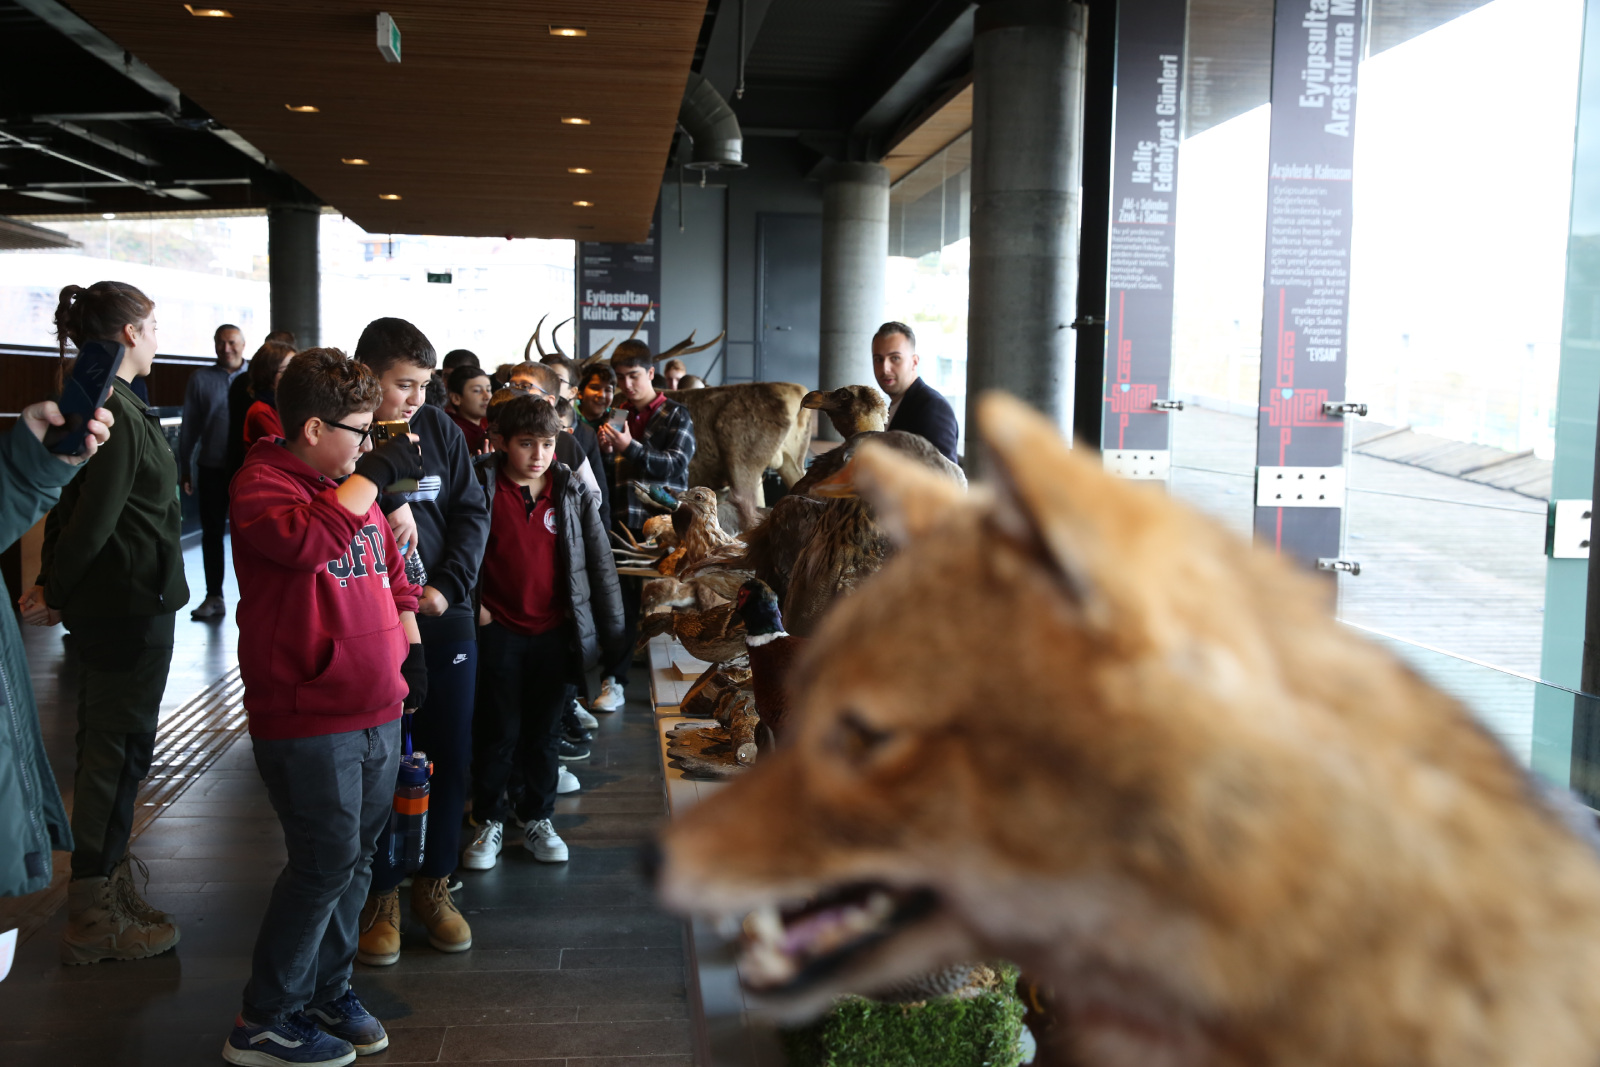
x: 764, y: 925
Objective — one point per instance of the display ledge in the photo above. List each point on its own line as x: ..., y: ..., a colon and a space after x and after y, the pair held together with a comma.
x: 728, y: 1030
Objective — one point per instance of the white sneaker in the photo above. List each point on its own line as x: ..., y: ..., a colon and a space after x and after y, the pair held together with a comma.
x: 485, y: 848
x: 212, y: 607
x: 567, y: 782
x: 610, y: 698
x: 545, y: 844
x: 584, y: 719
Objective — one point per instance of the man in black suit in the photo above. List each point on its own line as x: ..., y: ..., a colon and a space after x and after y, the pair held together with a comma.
x: 914, y: 405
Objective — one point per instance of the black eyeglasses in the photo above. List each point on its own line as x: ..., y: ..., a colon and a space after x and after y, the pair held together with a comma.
x: 524, y: 386
x: 363, y: 434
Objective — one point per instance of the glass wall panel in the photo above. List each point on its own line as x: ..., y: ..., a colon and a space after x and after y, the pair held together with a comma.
x: 1459, y: 235
x: 926, y: 288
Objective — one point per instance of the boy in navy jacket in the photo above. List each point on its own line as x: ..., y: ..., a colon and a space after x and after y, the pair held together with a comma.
x: 329, y: 655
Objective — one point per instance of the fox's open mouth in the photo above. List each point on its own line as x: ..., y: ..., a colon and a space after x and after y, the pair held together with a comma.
x: 786, y: 951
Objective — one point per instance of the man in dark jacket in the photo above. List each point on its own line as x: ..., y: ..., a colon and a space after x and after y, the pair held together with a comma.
x: 914, y: 405
x: 442, y: 526
x: 203, y: 457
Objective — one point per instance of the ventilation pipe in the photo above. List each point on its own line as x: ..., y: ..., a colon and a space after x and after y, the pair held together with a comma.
x: 711, y: 124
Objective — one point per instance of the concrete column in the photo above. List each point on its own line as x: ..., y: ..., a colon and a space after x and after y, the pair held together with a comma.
x: 1027, y: 119
x: 293, y: 271
x: 855, y: 258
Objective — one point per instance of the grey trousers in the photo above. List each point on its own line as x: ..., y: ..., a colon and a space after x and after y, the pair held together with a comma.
x: 332, y: 795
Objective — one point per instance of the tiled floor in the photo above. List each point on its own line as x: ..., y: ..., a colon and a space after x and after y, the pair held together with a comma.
x: 572, y: 963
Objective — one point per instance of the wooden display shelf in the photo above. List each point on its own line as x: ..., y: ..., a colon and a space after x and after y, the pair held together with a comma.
x: 729, y: 1031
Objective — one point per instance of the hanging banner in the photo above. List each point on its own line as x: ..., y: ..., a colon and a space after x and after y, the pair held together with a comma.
x: 1316, y: 51
x: 1135, y: 436
x: 616, y: 284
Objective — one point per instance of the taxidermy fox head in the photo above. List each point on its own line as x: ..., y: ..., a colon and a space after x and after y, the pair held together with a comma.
x: 1076, y: 725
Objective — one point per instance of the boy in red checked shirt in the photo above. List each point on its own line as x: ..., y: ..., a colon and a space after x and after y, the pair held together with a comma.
x: 329, y: 655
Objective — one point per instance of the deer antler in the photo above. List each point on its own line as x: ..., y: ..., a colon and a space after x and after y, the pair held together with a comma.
x: 639, y: 323
x: 557, y: 343
x: 602, y: 349
x: 527, y: 349
x: 683, y: 347
x: 675, y: 349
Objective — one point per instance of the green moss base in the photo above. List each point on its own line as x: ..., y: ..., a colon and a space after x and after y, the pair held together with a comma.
x: 984, y: 1031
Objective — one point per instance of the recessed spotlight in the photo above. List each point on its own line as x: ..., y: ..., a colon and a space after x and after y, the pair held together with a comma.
x: 109, y: 215
x: 208, y: 12
x: 355, y: 162
x: 579, y: 170
x: 573, y: 120
x: 568, y: 31
x: 304, y: 109
x: 388, y: 196
x: 583, y: 203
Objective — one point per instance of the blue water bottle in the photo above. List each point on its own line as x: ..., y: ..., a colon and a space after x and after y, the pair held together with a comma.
x: 408, y: 822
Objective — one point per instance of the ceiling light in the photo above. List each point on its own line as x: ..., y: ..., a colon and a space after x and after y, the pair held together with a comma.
x: 568, y: 31
x: 583, y: 203
x: 573, y: 120
x: 579, y: 170
x: 208, y: 12
x: 388, y: 196
x: 355, y: 162
x: 305, y: 109
x: 109, y: 215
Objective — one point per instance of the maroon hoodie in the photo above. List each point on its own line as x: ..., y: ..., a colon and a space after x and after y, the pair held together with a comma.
x: 320, y: 596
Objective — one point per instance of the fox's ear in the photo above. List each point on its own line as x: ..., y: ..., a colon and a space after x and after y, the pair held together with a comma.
x: 908, y: 497
x: 1044, y: 496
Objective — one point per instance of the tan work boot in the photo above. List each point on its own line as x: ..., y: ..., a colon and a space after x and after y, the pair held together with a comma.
x: 100, y: 927
x: 379, y: 944
x: 430, y: 902
x: 122, y: 880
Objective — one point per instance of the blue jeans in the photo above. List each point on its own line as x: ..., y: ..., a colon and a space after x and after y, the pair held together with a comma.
x: 442, y: 728
x: 332, y: 794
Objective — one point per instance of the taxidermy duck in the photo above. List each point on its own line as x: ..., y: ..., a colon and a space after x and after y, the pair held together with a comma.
x: 715, y: 635
x: 771, y: 650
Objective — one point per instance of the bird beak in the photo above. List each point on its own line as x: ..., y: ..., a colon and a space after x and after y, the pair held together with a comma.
x: 816, y: 400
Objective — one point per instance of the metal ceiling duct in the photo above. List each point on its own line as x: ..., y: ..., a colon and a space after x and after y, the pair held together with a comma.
x: 711, y: 124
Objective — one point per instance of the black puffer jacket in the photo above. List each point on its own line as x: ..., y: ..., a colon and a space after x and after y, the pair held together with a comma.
x: 594, y: 600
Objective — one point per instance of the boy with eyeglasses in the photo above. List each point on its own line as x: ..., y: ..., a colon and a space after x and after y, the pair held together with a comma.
x: 329, y: 653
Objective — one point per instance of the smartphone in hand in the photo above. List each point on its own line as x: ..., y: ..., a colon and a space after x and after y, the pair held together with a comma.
x: 93, y: 375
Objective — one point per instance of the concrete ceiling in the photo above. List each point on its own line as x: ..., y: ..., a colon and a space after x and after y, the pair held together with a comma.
x: 466, y: 130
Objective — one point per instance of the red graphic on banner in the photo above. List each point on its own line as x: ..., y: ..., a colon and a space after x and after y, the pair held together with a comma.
x: 1125, y: 396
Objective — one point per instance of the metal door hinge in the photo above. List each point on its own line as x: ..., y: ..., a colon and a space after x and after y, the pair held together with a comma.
x: 1343, y: 566
x: 1341, y: 408
x: 1299, y: 487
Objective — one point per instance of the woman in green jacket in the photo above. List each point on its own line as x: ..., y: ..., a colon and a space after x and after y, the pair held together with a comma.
x: 113, y: 568
x: 32, y: 820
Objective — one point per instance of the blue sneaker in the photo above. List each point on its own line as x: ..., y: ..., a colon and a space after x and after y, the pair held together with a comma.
x: 290, y: 1042
x: 348, y: 1019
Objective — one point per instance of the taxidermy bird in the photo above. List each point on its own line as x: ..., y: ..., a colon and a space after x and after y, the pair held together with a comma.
x: 715, y: 635
x: 705, y: 695
x: 701, y: 534
x: 771, y: 652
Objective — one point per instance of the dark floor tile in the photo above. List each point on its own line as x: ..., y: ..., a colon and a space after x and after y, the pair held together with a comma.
x: 474, y: 1044
x: 630, y: 1061
x: 607, y: 804
x: 418, y: 957
x: 632, y: 956
x: 608, y: 827
x: 413, y: 992
x: 410, y: 1045
x: 508, y: 928
x: 426, y: 1018
x: 605, y: 1013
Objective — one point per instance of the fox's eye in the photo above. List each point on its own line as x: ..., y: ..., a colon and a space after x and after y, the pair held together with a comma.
x: 856, y: 740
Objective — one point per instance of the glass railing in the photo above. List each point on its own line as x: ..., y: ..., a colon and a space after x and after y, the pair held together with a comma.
x: 1555, y: 728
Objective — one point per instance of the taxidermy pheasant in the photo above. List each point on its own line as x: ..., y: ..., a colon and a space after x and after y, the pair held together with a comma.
x: 772, y: 651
